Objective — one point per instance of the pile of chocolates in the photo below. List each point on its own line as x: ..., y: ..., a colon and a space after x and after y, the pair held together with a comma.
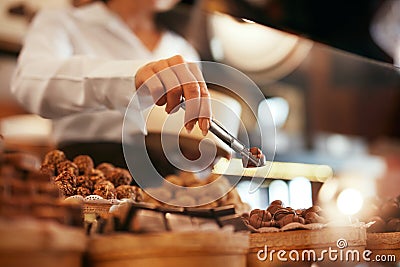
x: 219, y: 194
x: 25, y: 192
x: 81, y: 177
x: 385, y: 214
x: 276, y: 215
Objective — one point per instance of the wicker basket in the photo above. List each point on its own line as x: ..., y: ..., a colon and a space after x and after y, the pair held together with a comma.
x: 45, y: 244
x: 195, y: 249
x: 96, y: 208
x: 387, y: 244
x: 304, y: 241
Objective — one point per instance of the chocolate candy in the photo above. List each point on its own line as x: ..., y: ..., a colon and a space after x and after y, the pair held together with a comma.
x: 66, y: 182
x: 48, y: 169
x: 105, y: 168
x: 83, y: 191
x: 84, y: 181
x: 255, y: 151
x: 105, y: 193
x: 378, y: 227
x: 393, y: 225
x: 104, y: 185
x: 67, y: 189
x: 120, y: 177
x: 289, y: 218
x: 96, y: 176
x: 125, y: 191
x: 85, y: 164
x: 67, y: 165
x: 54, y: 157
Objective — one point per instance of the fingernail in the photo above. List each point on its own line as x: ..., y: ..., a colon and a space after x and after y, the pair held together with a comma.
x: 189, y: 127
x: 205, y: 125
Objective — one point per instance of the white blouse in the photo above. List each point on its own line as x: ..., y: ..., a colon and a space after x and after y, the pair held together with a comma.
x: 77, y: 67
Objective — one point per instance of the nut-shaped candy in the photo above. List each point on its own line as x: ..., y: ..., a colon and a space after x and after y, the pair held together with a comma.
x: 67, y: 165
x: 277, y: 202
x: 389, y: 209
x: 378, y: 227
x: 274, y: 208
x: 313, y: 217
x: 85, y: 164
x: 393, y: 225
x: 54, y: 157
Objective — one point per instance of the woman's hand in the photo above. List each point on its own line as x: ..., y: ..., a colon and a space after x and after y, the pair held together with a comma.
x: 169, y: 80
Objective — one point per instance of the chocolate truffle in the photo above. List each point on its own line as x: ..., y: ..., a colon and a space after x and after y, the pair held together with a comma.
x: 54, y: 157
x: 67, y: 165
x: 84, y: 181
x: 83, y: 191
x: 126, y: 191
x: 120, y: 177
x: 85, y: 164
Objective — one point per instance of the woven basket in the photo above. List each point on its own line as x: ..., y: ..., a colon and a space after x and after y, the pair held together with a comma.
x: 96, y: 208
x: 194, y: 249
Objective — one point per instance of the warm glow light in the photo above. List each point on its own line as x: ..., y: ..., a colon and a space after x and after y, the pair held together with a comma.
x: 349, y: 201
x: 300, y: 193
x: 278, y: 189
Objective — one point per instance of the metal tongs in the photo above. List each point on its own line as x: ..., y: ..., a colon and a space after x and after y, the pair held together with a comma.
x: 225, y: 136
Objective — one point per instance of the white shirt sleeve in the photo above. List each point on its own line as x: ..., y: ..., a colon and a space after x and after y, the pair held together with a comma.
x: 52, y: 82
x: 385, y: 29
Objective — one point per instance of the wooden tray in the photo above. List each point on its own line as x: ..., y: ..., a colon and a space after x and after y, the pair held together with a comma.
x: 194, y: 249
x: 29, y: 242
x: 387, y: 244
x: 347, y: 238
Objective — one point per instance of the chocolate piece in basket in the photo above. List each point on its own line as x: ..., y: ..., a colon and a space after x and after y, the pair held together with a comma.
x: 66, y: 182
x: 105, y: 189
x: 84, y: 181
x: 130, y: 192
x: 120, y: 176
x: 276, y: 215
x: 85, y: 164
x: 54, y: 157
x: 67, y: 165
x: 95, y: 176
x: 386, y: 216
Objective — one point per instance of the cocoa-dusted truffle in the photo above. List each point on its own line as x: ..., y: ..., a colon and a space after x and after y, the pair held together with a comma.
x: 69, y: 166
x: 66, y: 182
x: 83, y: 191
x: 54, y: 157
x: 85, y: 164
x: 120, y: 177
x: 105, y: 189
x: 107, y: 194
x: 104, y: 185
x: 105, y: 168
x: 84, y: 181
x: 48, y: 169
x: 66, y: 189
x: 66, y: 177
x: 126, y: 191
x: 96, y: 176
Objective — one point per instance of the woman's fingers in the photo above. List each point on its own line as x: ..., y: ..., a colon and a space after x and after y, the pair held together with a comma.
x: 169, y: 80
x: 190, y: 90
x: 205, y: 103
x: 147, y: 79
